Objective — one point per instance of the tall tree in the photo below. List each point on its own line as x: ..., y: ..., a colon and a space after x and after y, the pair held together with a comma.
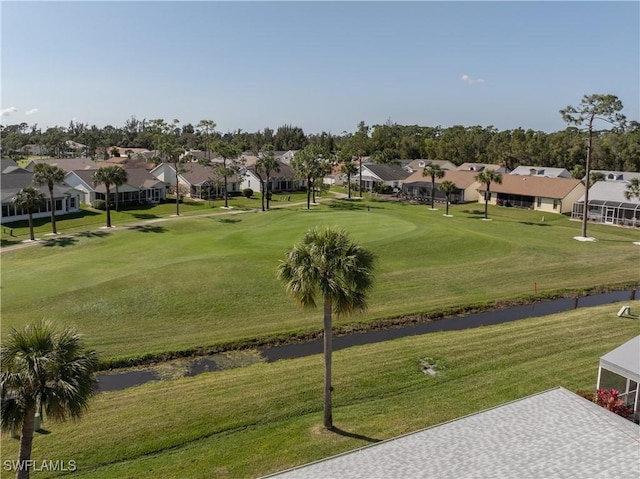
x: 29, y: 199
x: 310, y: 163
x: 487, y: 177
x: 448, y: 187
x: 434, y: 171
x: 266, y: 165
x: 328, y: 264
x: 109, y: 176
x: 48, y: 174
x: 206, y: 129
x: 172, y: 154
x: 44, y: 369
x: 348, y: 168
x: 633, y: 189
x: 591, y: 108
x: 229, y: 154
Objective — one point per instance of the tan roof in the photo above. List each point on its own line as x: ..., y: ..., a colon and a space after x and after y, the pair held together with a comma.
x: 534, y: 186
x: 462, y: 179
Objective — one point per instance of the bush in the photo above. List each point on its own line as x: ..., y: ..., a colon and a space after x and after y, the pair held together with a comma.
x: 610, y: 400
x: 248, y: 192
x: 99, y: 204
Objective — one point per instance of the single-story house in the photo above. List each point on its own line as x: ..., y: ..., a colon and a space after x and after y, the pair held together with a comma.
x: 67, y: 164
x: 418, y: 187
x: 284, y: 179
x: 545, y: 171
x: 381, y: 174
x: 609, y: 205
x: 555, y: 433
x: 196, y: 180
x: 620, y: 370
x: 141, y: 187
x: 14, y: 178
x: 554, y: 195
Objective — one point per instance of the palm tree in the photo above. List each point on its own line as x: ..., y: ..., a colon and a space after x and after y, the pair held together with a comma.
x: 29, y: 199
x: 266, y: 164
x: 48, y: 174
x: 448, y: 187
x: 434, y: 171
x: 349, y: 168
x: 327, y: 263
x: 227, y: 152
x: 108, y: 176
x: 633, y: 189
x: 119, y: 178
x: 44, y: 369
x: 172, y: 153
x: 487, y: 177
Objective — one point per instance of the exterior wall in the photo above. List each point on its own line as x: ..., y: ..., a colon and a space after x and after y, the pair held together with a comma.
x: 569, y: 200
x: 87, y: 195
x: 546, y: 205
x: 67, y: 204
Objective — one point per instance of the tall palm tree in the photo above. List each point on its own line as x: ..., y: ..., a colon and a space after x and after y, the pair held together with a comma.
x: 328, y: 264
x: 172, y: 153
x: 229, y: 153
x: 46, y: 370
x: 29, y: 199
x: 448, y: 187
x: 349, y: 169
x: 265, y: 165
x: 434, y: 171
x: 633, y: 189
x: 109, y: 176
x: 119, y: 178
x: 48, y: 174
x: 487, y: 177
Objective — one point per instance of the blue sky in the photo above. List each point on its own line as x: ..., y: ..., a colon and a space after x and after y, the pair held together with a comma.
x: 323, y: 66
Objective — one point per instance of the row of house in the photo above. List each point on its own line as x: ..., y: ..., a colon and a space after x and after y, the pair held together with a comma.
x: 536, y: 188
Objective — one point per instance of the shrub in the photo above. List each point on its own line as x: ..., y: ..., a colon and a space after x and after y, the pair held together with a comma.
x: 99, y: 204
x: 610, y: 400
x: 248, y: 192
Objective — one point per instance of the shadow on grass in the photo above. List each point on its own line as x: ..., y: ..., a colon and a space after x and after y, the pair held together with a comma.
x: 144, y: 216
x: 348, y: 205
x: 229, y: 220
x: 93, y: 234
x: 62, y: 242
x: 149, y: 228
x: 341, y: 432
x: 5, y: 242
x: 530, y: 223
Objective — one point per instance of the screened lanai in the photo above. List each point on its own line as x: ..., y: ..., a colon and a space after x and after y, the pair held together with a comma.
x: 620, y: 370
x: 608, y: 204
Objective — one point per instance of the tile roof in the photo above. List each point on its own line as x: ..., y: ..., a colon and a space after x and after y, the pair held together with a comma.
x: 67, y: 164
x: 462, y: 179
x: 136, y: 177
x: 553, y: 434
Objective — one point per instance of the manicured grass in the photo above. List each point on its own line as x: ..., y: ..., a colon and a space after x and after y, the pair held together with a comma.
x: 202, y: 282
x: 266, y: 417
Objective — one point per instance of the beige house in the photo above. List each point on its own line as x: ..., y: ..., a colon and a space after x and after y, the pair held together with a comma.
x: 418, y: 187
x: 553, y: 195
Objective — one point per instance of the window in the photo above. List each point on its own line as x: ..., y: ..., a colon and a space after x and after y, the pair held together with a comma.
x: 72, y: 202
x: 539, y: 202
x: 58, y: 205
x: 555, y: 204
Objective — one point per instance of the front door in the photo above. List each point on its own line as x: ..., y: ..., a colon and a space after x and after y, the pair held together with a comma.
x: 610, y: 215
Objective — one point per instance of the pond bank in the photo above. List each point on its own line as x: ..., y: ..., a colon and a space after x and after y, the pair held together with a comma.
x: 350, y: 335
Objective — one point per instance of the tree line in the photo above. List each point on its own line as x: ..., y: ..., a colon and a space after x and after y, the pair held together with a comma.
x: 612, y: 149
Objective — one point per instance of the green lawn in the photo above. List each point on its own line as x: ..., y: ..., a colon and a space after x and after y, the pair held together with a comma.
x: 266, y: 417
x: 206, y: 281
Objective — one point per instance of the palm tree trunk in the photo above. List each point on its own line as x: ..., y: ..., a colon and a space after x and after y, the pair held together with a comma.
x: 31, y: 235
x: 447, y: 206
x: 53, y: 212
x: 177, y: 191
x: 116, y: 197
x: 349, y: 185
x: 486, y: 203
x: 587, y: 168
x: 309, y: 185
x: 328, y: 349
x: 226, y: 199
x: 433, y: 191
x: 268, y: 191
x: 108, y: 209
x: 26, y: 443
x: 360, y: 188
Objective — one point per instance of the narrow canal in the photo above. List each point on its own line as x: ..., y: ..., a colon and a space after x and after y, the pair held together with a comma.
x: 191, y: 367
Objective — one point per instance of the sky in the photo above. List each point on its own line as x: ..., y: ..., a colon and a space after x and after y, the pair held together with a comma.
x: 321, y: 66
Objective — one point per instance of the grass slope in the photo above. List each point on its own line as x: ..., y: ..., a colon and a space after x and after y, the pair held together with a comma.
x: 266, y: 417
x: 206, y: 281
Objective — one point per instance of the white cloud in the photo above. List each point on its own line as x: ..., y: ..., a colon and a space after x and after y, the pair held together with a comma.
x: 471, y: 81
x: 8, y: 111
x: 31, y: 112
